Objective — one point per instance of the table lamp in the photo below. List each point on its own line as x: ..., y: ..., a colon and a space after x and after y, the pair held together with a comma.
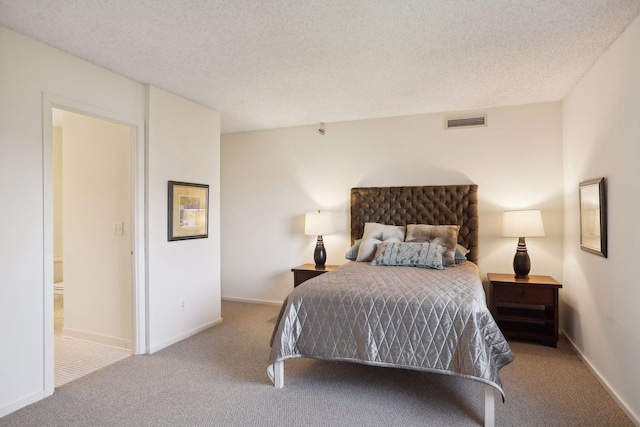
x: 319, y: 224
x: 522, y: 224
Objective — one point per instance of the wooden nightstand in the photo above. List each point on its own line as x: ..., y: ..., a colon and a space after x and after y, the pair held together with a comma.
x: 526, y: 308
x: 308, y: 271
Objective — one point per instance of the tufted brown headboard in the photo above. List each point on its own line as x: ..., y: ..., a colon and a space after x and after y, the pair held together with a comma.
x: 433, y: 204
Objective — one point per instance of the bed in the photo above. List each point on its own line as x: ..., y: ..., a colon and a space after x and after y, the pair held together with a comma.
x: 395, y: 313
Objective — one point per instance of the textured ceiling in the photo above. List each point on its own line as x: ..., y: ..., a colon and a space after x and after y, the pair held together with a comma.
x: 277, y: 63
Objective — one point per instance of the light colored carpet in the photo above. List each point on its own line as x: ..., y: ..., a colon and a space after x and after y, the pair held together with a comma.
x: 76, y: 358
x: 218, y: 378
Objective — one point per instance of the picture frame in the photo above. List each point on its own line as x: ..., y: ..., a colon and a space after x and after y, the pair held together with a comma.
x: 188, y: 211
x: 593, y: 216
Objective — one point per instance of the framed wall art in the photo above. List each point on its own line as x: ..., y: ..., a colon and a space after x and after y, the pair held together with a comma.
x: 188, y: 211
x: 593, y: 217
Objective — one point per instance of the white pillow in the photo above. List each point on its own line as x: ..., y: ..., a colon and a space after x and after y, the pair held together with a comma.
x: 461, y: 253
x: 375, y: 233
x: 352, y: 253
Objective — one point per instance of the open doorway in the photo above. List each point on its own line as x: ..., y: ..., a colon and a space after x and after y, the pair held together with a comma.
x: 137, y: 228
x: 92, y: 243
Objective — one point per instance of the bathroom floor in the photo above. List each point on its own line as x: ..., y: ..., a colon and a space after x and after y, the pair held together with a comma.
x: 58, y: 314
x: 77, y: 358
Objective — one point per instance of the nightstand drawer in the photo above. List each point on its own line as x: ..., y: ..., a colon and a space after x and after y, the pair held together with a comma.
x: 524, y: 294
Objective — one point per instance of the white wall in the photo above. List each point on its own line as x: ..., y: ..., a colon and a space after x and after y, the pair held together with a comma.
x: 27, y: 70
x: 184, y: 145
x: 271, y: 178
x: 96, y: 192
x: 600, y: 296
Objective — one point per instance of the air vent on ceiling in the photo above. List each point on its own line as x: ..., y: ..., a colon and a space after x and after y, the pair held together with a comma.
x: 465, y: 122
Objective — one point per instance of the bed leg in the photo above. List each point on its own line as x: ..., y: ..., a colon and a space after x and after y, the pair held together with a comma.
x: 278, y: 374
x: 489, y: 406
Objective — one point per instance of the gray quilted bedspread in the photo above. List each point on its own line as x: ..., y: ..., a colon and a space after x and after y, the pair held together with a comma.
x: 403, y: 317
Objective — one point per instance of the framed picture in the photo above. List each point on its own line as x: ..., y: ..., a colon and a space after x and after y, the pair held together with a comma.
x: 188, y: 211
x: 593, y: 217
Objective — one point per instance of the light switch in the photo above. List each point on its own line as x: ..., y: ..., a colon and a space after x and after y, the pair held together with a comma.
x: 118, y: 228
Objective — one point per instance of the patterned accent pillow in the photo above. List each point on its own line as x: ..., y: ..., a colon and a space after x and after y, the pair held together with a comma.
x: 374, y: 234
x: 426, y: 255
x: 426, y: 233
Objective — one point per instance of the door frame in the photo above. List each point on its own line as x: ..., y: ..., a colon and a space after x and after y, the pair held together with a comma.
x: 138, y: 182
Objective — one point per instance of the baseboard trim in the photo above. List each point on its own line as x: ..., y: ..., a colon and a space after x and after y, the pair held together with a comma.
x: 635, y: 419
x: 19, y: 404
x: 252, y: 301
x: 158, y: 347
x: 117, y: 342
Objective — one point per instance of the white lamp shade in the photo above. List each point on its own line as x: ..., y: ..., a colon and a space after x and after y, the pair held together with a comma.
x: 522, y: 224
x: 319, y: 224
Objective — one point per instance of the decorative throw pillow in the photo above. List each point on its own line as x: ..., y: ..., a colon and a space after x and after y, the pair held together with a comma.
x: 375, y: 233
x: 425, y: 255
x: 461, y: 253
x: 426, y: 233
x: 352, y: 253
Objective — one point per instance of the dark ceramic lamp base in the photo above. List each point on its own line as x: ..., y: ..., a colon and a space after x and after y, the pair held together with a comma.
x: 521, y: 262
x: 320, y: 255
